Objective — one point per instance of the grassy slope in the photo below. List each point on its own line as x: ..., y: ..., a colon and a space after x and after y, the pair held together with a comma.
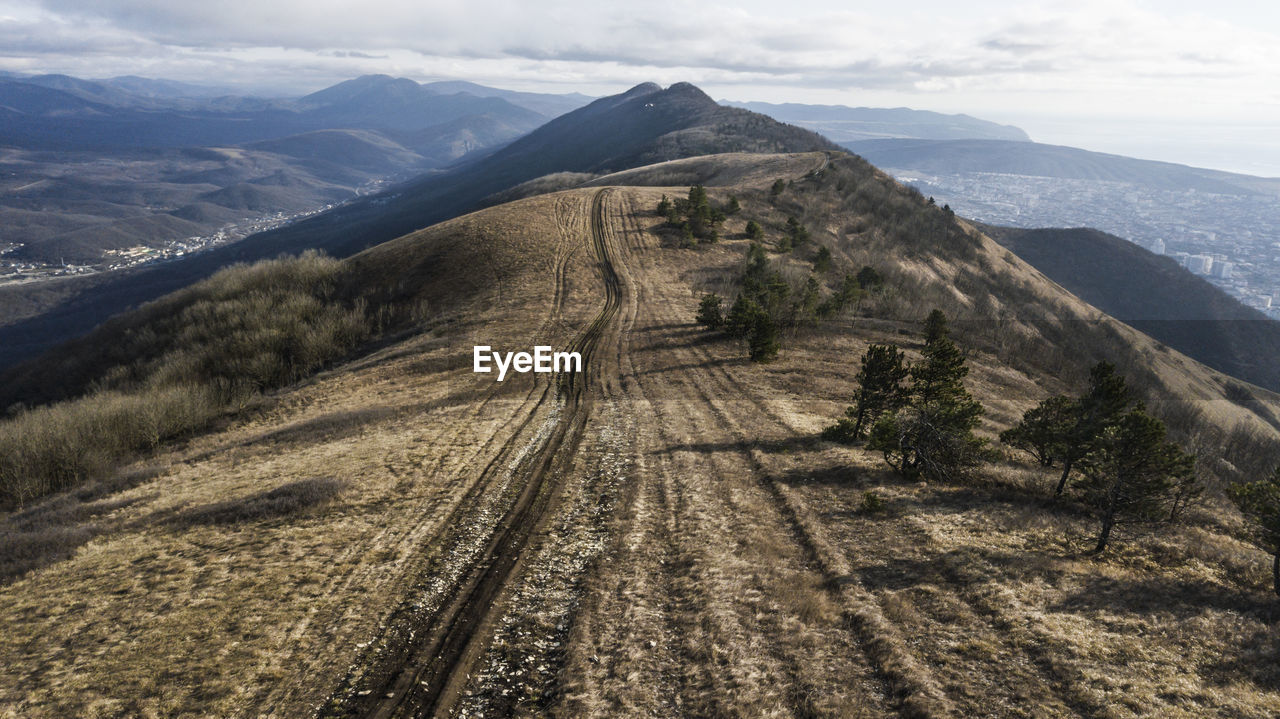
x: 716, y: 551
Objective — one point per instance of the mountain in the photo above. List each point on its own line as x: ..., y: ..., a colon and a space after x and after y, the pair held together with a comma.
x: 60, y: 113
x: 849, y: 124
x: 162, y: 88
x: 77, y: 206
x: 643, y: 125
x: 1156, y: 295
x: 550, y: 105
x: 113, y: 158
x: 285, y: 490
x: 381, y: 102
x: 1041, y: 160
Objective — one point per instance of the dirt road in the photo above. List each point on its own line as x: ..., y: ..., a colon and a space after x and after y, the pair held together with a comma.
x: 423, y: 662
x: 646, y: 563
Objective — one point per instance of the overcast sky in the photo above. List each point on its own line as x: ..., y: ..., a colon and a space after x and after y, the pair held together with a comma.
x: 1195, y: 82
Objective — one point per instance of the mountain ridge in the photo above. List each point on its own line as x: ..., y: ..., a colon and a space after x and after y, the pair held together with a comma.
x: 642, y: 125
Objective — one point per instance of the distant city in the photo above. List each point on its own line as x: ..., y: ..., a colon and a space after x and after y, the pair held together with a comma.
x: 1231, y: 240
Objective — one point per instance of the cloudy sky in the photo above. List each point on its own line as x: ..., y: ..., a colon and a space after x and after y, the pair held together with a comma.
x: 1195, y: 82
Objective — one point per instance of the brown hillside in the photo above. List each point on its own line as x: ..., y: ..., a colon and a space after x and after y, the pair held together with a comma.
x: 664, y: 535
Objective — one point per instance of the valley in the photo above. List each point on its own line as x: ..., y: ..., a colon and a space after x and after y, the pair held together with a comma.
x: 1231, y: 221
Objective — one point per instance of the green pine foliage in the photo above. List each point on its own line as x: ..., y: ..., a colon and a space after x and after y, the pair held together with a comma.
x: 868, y: 278
x: 1133, y: 474
x: 709, y: 314
x: 1099, y: 409
x: 880, y: 391
x: 1043, y: 430
x: 822, y: 260
x: 694, y: 216
x: 932, y: 434
x: 1259, y: 501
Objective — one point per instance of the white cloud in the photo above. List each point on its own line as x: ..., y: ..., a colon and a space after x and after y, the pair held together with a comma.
x: 1111, y: 57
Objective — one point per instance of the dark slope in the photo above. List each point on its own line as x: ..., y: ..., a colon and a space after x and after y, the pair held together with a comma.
x: 1156, y: 295
x: 643, y: 125
x: 945, y: 157
x: 849, y: 124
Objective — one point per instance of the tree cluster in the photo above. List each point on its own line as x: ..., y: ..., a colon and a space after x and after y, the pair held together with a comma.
x: 694, y: 215
x: 921, y: 417
x: 1128, y: 471
x: 767, y: 304
x: 795, y: 235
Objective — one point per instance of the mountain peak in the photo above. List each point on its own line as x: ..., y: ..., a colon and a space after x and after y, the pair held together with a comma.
x: 644, y: 88
x: 688, y: 88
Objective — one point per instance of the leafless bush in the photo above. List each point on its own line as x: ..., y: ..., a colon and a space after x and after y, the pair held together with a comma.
x: 285, y: 500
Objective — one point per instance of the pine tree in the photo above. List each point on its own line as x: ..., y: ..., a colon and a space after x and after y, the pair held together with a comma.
x: 1133, y: 474
x: 945, y: 413
x: 868, y: 278
x: 1259, y: 501
x: 1092, y: 414
x: 807, y: 309
x: 935, y: 325
x: 664, y: 206
x: 754, y: 230
x: 733, y: 207
x: 741, y: 318
x: 933, y: 434
x: 778, y: 186
x: 1042, y: 430
x: 762, y: 341
x: 822, y: 261
x: 880, y: 390
x: 709, y: 314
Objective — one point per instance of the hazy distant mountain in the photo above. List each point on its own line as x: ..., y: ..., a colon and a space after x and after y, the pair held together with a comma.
x: 550, y: 105
x: 57, y: 112
x: 846, y: 124
x: 1154, y: 294
x: 101, y: 165
x: 382, y: 102
x: 157, y: 87
x: 1033, y: 158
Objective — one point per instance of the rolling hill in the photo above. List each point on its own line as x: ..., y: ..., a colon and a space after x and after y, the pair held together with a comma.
x: 386, y: 532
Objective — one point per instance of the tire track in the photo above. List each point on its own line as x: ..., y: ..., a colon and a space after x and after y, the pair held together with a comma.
x: 423, y: 673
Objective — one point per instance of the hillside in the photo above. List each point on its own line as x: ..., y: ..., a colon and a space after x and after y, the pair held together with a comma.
x: 852, y: 124
x: 662, y: 534
x: 1155, y: 295
x: 646, y: 124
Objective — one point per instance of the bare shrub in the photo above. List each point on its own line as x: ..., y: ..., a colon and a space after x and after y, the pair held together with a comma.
x: 285, y: 500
